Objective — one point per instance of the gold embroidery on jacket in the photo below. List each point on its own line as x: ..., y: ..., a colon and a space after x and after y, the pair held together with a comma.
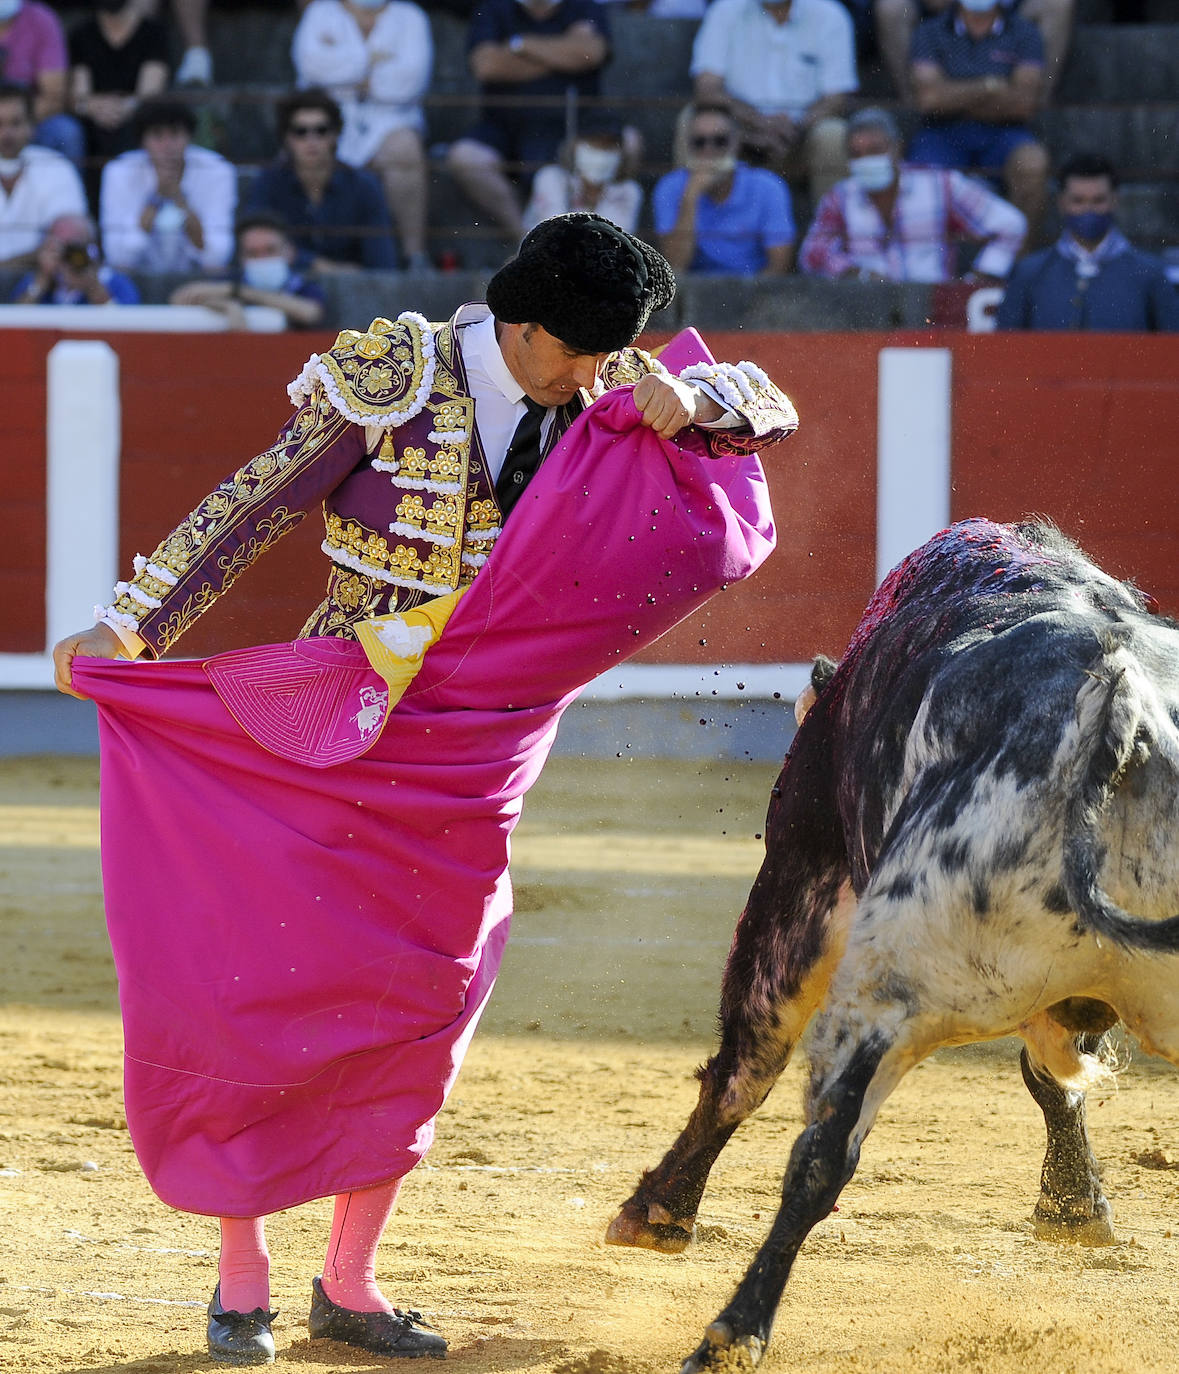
x: 313, y: 428
x: 379, y: 373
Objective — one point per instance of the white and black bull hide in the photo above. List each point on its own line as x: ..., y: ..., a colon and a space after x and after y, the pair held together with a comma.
x: 982, y: 792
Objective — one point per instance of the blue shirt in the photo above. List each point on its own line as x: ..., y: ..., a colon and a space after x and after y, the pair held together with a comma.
x: 352, y: 200
x: 731, y: 236
x: 121, y: 289
x: 1130, y: 292
x: 944, y: 41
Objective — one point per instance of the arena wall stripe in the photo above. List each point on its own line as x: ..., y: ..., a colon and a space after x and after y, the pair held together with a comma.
x: 1075, y: 427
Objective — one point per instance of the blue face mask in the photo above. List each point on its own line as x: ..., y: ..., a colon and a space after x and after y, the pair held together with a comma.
x: 1090, y: 226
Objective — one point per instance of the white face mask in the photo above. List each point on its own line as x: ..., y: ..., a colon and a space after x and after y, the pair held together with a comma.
x: 598, y: 166
x: 8, y: 9
x: 718, y: 166
x: 874, y: 172
x: 265, y: 274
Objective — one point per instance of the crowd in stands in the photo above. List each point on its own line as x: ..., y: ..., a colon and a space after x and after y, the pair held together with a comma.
x: 777, y: 164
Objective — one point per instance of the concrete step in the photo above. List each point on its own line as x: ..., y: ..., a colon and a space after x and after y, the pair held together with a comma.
x: 1130, y: 63
x: 1138, y: 139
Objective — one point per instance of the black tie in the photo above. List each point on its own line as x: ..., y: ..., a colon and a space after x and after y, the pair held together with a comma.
x: 522, y: 458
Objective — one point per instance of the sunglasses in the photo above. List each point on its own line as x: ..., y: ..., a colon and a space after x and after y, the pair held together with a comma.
x: 310, y: 130
x: 711, y: 140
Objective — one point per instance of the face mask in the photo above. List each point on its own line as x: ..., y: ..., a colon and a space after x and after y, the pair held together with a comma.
x: 265, y: 274
x: 1090, y: 226
x: 720, y: 166
x: 10, y: 166
x: 599, y: 166
x: 8, y: 9
x: 874, y: 172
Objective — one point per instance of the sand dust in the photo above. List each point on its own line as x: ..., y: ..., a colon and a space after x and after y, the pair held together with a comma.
x: 629, y: 876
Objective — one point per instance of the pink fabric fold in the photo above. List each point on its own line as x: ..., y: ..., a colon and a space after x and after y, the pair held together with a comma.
x: 304, y: 948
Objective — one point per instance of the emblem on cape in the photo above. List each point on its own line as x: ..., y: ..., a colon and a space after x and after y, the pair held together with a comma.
x: 315, y: 702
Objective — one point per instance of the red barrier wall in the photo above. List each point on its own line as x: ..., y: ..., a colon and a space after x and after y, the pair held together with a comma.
x: 1076, y: 427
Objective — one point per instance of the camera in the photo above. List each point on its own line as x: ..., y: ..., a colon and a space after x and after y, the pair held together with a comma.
x: 78, y: 256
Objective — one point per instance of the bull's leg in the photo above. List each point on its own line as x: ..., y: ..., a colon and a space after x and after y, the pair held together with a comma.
x: 758, y: 1036
x: 1072, y: 1206
x: 843, y: 1105
x: 661, y: 1213
x: 788, y: 941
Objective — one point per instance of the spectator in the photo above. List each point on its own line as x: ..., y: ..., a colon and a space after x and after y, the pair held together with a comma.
x: 376, y: 56
x: 892, y: 222
x: 70, y: 271
x: 37, y: 185
x: 118, y: 57
x: 336, y: 214
x: 665, y: 9
x: 1092, y: 277
x: 978, y: 78
x: 786, y: 68
x: 896, y: 20
x: 590, y: 176
x: 525, y: 50
x: 168, y: 205
x: 33, y: 54
x: 714, y: 213
x: 265, y: 275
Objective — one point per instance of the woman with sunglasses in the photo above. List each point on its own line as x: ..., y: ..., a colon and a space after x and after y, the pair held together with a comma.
x: 714, y: 213
x: 336, y: 214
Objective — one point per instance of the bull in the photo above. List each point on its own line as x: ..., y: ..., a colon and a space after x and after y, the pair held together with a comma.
x: 981, y: 794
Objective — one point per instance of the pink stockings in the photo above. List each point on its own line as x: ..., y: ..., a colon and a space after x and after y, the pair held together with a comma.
x: 349, y: 1269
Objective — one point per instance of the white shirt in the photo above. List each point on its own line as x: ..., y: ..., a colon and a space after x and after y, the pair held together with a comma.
x: 498, y: 396
x: 48, y: 186
x: 556, y: 191
x: 378, y: 81
x: 778, y: 68
x: 209, y: 184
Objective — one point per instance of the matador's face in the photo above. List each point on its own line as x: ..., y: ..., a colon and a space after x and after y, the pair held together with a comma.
x: 549, y: 371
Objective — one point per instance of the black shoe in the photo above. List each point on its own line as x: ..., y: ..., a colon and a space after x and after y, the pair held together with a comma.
x: 240, y: 1337
x: 384, y: 1333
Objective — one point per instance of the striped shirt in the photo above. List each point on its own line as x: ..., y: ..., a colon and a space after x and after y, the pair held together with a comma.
x: 935, y: 209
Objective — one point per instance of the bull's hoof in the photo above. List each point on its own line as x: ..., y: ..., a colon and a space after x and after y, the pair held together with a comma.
x: 649, y: 1229
x: 1091, y: 1229
x: 721, y: 1350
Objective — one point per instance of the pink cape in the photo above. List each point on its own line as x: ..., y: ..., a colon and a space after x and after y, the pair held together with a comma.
x: 303, y: 952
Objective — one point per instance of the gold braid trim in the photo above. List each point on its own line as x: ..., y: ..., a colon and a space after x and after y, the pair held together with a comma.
x: 383, y: 376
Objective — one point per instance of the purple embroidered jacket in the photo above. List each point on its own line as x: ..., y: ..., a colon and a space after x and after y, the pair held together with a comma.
x: 385, y: 439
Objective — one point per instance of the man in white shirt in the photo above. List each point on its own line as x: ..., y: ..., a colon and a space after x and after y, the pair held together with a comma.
x: 786, y: 68
x: 168, y: 206
x: 37, y: 185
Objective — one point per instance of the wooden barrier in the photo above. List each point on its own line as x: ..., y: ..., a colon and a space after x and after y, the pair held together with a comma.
x: 1075, y: 427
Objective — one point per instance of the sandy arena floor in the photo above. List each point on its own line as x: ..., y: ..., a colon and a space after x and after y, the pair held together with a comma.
x: 629, y: 876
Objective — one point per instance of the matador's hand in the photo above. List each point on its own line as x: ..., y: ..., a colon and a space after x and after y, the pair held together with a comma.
x: 100, y: 641
x: 668, y: 405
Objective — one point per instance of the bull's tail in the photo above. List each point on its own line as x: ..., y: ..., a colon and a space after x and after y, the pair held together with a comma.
x: 1112, y: 739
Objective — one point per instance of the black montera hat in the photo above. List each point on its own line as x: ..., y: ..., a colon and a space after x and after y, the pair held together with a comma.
x: 586, y: 281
